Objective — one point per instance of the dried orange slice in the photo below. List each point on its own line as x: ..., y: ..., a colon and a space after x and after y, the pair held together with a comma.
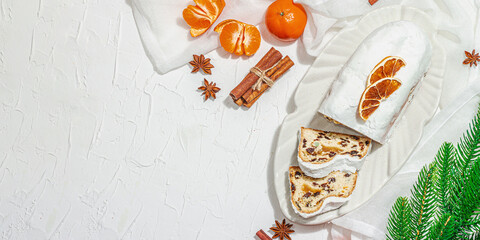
x: 238, y: 37
x: 374, y: 94
x: 201, y: 16
x: 388, y: 67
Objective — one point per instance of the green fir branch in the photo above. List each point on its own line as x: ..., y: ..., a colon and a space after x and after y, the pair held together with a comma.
x: 471, y: 201
x: 423, y: 202
x: 399, y: 220
x: 473, y: 225
x: 474, y: 236
x: 443, y: 227
x: 468, y: 147
x: 466, y: 196
x: 445, y: 201
x: 443, y: 162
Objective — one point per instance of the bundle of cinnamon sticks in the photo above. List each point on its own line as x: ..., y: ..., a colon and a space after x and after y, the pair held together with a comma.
x: 272, y: 66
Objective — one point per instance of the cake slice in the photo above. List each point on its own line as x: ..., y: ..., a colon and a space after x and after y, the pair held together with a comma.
x: 321, y: 152
x: 312, y: 196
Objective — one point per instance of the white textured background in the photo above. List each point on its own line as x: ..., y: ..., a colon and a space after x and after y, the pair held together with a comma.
x: 95, y: 145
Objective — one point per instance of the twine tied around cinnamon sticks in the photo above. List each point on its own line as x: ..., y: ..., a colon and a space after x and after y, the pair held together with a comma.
x: 247, y: 92
x: 262, y: 77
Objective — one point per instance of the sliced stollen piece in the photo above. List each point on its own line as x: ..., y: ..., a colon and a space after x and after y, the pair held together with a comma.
x: 321, y: 152
x: 312, y: 196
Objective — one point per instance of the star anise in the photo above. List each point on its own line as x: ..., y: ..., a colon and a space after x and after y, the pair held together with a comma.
x: 282, y: 230
x: 200, y: 62
x: 472, y: 58
x: 209, y: 89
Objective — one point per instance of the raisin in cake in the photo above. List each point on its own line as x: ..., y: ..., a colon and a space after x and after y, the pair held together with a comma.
x: 402, y: 40
x: 312, y: 196
x: 321, y: 152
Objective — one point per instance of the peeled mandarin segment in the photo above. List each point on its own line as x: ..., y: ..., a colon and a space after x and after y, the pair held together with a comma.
x: 197, y: 32
x: 215, y: 8
x: 239, y: 47
x: 251, y: 40
x: 195, y: 17
x: 206, y: 6
x: 203, y: 15
x: 220, y: 4
x: 245, y: 38
x: 222, y: 24
x: 201, y: 5
x: 229, y: 36
x: 212, y: 8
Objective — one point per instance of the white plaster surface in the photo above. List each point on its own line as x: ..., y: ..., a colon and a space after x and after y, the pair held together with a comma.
x: 95, y: 145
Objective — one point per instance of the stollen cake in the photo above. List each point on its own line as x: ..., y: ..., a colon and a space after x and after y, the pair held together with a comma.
x: 312, y: 196
x: 321, y: 152
x: 373, y: 88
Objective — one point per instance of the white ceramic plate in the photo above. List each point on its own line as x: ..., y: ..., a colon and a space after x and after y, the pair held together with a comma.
x: 384, y: 160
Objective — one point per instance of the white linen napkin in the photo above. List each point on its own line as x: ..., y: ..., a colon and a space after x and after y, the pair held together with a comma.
x: 166, y: 36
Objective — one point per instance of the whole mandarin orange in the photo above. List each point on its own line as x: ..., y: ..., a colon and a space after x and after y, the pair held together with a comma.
x: 285, y: 19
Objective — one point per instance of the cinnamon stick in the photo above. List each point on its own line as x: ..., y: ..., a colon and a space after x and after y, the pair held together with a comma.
x: 262, y: 235
x: 250, y: 97
x: 269, y: 74
x: 239, y: 102
x: 267, y: 61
